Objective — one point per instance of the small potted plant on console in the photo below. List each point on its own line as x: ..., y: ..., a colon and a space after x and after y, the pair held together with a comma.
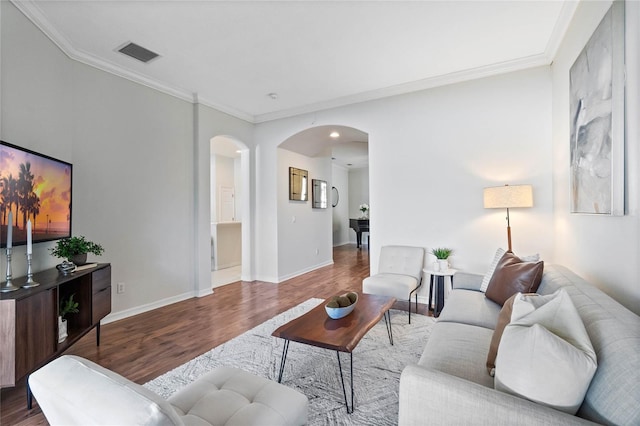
x: 75, y: 249
x: 67, y: 306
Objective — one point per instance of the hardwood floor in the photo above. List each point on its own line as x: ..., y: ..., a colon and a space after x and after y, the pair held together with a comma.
x: 148, y: 345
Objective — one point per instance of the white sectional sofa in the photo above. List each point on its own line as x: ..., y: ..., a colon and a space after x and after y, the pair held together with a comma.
x: 450, y: 384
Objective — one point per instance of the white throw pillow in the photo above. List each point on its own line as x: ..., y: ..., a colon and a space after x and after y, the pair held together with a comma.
x: 530, y: 258
x: 492, y: 267
x: 545, y: 354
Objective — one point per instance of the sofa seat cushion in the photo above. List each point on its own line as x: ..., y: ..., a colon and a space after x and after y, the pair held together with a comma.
x: 232, y: 396
x: 470, y: 307
x: 392, y: 285
x: 459, y: 350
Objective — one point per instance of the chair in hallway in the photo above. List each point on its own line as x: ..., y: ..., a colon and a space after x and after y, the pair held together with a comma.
x: 399, y: 274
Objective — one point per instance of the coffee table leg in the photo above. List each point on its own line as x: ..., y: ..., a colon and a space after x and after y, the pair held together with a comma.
x: 388, y: 323
x: 344, y: 391
x: 283, y: 360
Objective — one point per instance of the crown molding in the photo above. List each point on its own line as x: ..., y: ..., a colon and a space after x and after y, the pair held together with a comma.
x: 227, y: 110
x: 35, y: 15
x: 557, y: 35
x: 560, y: 29
x: 414, y: 86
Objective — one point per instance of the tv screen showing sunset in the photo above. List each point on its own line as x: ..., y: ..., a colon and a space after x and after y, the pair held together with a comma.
x: 37, y: 188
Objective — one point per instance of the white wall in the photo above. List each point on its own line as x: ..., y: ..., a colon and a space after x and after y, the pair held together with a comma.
x: 340, y: 213
x: 34, y: 105
x: 304, y: 233
x: 131, y: 148
x: 604, y: 250
x: 430, y: 155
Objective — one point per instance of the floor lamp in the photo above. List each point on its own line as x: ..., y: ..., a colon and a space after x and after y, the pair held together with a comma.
x: 508, y: 196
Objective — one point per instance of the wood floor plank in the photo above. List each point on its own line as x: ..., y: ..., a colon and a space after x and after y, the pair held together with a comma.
x: 145, y: 346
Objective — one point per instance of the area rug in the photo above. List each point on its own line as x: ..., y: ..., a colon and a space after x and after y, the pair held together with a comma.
x: 314, y: 372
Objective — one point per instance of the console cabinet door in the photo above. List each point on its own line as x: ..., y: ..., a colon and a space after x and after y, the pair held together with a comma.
x: 36, y: 328
x: 101, y: 291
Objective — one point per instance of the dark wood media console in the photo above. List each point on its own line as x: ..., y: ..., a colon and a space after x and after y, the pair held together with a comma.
x: 29, y: 318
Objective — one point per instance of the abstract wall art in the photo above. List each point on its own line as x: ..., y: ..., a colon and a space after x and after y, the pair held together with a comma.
x: 596, y: 85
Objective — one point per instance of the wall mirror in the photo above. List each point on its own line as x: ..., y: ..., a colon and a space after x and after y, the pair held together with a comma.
x: 319, y: 194
x: 335, y: 196
x: 298, y: 184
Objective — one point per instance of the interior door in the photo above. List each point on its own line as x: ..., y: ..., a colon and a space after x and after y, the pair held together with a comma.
x: 227, y: 204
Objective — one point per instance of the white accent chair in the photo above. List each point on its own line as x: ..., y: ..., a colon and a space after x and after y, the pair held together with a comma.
x: 399, y: 274
x: 74, y: 391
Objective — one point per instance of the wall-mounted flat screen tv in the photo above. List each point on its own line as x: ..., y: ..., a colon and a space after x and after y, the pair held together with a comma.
x: 34, y: 187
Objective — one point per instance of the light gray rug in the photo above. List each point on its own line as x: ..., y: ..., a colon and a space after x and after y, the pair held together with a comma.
x: 314, y: 372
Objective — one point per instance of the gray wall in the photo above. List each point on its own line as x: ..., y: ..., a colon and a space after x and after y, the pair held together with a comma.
x: 133, y: 153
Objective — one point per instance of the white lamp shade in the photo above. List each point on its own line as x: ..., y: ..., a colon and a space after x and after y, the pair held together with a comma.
x: 508, y: 196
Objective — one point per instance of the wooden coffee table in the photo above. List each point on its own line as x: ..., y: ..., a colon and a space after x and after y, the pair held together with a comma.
x: 315, y: 328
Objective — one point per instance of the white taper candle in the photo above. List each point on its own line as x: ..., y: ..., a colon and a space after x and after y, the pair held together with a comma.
x: 29, y: 237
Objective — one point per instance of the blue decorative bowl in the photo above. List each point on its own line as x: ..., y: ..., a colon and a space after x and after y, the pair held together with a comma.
x: 337, y: 313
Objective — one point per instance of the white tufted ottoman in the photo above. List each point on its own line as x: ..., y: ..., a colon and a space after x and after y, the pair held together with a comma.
x: 232, y: 396
x: 75, y: 391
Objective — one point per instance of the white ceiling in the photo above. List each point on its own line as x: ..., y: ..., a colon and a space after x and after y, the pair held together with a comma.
x: 314, y: 54
x: 350, y: 149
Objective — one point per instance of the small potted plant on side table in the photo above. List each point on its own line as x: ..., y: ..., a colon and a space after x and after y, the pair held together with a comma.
x: 68, y: 306
x: 75, y: 249
x: 442, y: 255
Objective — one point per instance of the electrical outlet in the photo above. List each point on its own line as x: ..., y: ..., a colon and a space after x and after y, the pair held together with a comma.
x: 120, y: 288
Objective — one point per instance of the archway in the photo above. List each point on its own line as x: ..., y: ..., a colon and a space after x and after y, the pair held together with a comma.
x: 306, y: 235
x: 229, y: 211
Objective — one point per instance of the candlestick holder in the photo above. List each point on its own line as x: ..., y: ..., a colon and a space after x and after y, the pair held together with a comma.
x: 8, y: 286
x: 30, y: 282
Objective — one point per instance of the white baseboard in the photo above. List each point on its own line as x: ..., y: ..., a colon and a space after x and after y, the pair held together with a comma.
x: 226, y: 265
x: 115, y: 316
x: 304, y: 271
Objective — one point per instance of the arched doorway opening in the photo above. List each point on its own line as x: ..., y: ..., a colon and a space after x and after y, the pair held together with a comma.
x: 306, y: 235
x: 230, y: 211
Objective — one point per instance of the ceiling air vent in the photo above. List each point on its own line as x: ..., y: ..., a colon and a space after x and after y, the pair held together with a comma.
x: 138, y: 52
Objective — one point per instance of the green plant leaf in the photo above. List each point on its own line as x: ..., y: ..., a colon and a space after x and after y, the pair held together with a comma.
x: 442, y: 252
x: 68, y: 247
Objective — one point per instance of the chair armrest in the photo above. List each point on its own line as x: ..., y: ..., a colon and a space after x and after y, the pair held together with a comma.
x: 467, y: 280
x: 75, y: 391
x: 443, y: 399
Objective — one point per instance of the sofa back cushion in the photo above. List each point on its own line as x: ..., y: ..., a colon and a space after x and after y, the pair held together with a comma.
x: 614, y: 332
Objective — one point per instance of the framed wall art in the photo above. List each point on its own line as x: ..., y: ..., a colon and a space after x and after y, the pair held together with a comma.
x: 298, y: 184
x: 596, y: 85
x: 319, y: 197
